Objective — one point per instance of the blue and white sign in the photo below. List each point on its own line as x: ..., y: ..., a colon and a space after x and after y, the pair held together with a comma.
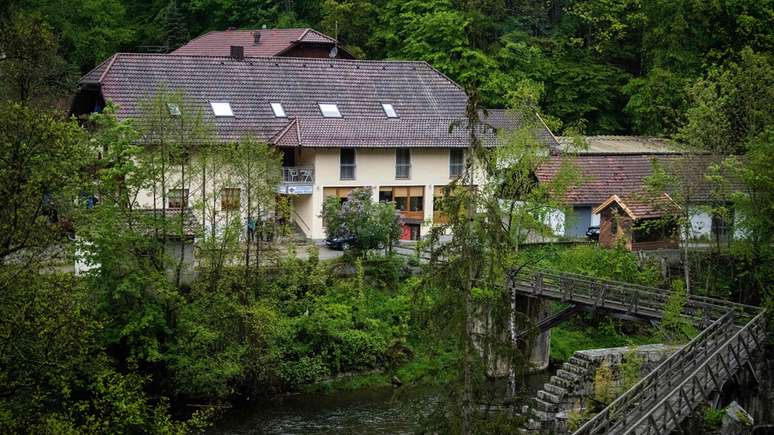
x: 301, y: 189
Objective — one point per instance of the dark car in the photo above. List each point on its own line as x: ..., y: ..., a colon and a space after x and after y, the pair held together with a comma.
x: 593, y: 232
x: 340, y: 243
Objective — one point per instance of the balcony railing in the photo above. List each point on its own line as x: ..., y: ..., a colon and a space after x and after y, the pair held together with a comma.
x: 298, y: 175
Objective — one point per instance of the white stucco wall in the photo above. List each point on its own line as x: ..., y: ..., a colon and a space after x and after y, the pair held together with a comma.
x: 375, y: 168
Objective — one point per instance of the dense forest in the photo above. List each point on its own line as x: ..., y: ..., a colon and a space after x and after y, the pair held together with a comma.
x: 123, y: 348
x: 605, y: 66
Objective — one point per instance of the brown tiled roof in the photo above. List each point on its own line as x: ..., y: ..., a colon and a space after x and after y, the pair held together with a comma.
x: 379, y: 132
x: 624, y: 174
x: 425, y: 100
x: 273, y: 42
x: 642, y: 206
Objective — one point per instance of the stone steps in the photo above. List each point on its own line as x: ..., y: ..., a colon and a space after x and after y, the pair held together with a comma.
x: 548, y: 401
x: 554, y: 389
x: 542, y: 405
x: 548, y: 397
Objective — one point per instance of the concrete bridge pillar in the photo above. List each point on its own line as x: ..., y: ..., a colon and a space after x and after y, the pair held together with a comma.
x: 540, y: 346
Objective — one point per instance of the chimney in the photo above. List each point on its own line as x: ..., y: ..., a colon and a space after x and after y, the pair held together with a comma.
x: 256, y: 37
x: 237, y: 52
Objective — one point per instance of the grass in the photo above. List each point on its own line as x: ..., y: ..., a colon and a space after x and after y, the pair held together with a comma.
x: 570, y: 337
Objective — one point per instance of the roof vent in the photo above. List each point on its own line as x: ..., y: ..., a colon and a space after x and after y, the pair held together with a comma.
x: 237, y: 52
x: 256, y: 38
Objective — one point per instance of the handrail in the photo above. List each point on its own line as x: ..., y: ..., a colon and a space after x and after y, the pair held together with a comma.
x: 298, y: 174
x: 603, y: 421
x: 758, y: 321
x: 302, y: 220
x: 706, y: 299
x: 708, y: 355
x: 638, y: 294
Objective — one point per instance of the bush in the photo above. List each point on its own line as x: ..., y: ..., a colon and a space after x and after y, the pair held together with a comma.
x: 713, y: 418
x: 674, y: 327
x: 616, y: 264
x: 372, y: 224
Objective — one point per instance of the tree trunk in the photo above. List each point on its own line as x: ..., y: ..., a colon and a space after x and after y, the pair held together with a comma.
x: 181, y: 225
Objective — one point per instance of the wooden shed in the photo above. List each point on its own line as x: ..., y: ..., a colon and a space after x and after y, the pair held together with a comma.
x: 640, y: 221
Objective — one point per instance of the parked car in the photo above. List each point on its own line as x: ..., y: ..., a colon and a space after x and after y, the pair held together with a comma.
x: 593, y: 232
x: 340, y: 243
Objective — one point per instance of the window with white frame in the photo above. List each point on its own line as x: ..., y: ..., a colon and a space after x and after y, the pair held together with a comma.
x: 278, y: 110
x: 221, y: 108
x: 402, y: 163
x: 347, y: 163
x: 330, y: 110
x: 389, y: 110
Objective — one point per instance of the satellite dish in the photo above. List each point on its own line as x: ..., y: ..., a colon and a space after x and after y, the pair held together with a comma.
x: 334, y: 52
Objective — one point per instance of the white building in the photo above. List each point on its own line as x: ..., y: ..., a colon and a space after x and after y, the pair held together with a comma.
x: 340, y: 124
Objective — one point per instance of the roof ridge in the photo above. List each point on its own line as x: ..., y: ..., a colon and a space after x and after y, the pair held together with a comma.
x: 310, y: 29
x: 192, y: 40
x: 104, y: 73
x: 442, y: 74
x: 300, y: 37
x: 97, y: 66
x: 280, y: 134
x: 286, y: 59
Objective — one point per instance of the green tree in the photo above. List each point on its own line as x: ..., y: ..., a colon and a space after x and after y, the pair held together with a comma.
x: 657, y: 102
x: 31, y: 70
x: 174, y: 26
x: 492, y: 208
x: 372, y: 225
x: 257, y: 169
x: 41, y: 162
x: 731, y: 105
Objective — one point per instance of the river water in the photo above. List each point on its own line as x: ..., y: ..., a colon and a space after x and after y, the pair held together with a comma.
x: 383, y: 410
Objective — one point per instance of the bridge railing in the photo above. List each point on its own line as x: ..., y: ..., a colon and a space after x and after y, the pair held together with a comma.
x: 633, y: 299
x: 708, y: 374
x: 620, y: 412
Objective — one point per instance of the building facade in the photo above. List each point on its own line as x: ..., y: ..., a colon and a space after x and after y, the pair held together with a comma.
x: 339, y: 124
x: 609, y: 172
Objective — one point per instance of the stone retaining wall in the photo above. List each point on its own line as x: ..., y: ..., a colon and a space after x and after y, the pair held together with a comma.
x: 572, y: 388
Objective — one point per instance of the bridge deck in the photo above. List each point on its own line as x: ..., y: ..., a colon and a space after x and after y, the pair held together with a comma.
x: 660, y: 401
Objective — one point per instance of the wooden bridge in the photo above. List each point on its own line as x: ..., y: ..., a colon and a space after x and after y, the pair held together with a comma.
x: 660, y: 401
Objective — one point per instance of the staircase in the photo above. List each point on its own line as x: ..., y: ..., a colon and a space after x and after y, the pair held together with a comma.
x: 564, y: 389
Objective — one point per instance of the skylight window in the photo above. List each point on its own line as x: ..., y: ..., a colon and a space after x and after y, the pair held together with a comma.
x: 278, y: 110
x: 174, y: 109
x: 221, y: 108
x: 389, y: 110
x: 330, y: 110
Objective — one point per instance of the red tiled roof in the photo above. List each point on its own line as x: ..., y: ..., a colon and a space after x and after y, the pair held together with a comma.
x: 642, y: 206
x: 272, y: 42
x: 425, y: 100
x: 624, y: 174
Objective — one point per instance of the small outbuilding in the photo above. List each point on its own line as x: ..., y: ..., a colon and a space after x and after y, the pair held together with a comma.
x: 640, y: 222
